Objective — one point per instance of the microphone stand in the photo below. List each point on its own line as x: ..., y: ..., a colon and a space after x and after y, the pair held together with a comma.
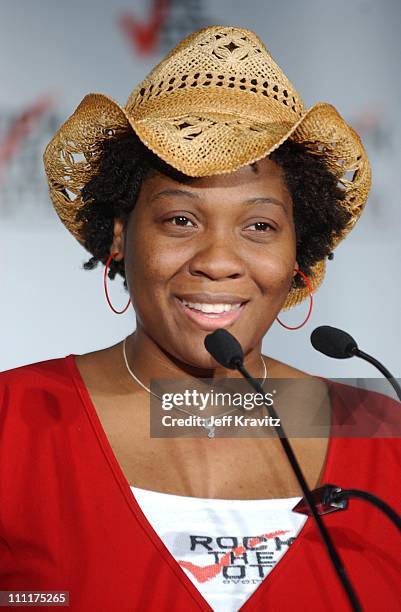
x: 331, y: 498
x: 355, y: 351
x: 334, y: 556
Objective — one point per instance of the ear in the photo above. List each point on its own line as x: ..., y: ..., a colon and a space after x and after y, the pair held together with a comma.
x: 117, y: 246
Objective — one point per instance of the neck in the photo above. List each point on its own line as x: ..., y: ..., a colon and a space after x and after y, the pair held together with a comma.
x: 149, y: 360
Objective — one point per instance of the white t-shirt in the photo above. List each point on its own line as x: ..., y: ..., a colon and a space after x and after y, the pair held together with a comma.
x: 225, y: 547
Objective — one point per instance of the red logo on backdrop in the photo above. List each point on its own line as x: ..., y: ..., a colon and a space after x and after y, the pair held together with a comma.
x: 144, y: 36
x: 20, y: 129
x: 167, y: 22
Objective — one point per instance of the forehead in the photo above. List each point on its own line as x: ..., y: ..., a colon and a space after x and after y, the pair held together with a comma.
x: 261, y: 177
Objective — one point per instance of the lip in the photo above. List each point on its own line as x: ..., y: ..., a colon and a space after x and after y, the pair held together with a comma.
x: 212, y: 298
x: 210, y: 324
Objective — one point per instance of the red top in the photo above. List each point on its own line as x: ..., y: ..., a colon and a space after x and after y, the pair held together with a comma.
x: 69, y: 520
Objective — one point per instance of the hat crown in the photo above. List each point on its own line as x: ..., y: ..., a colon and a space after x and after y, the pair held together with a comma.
x: 230, y: 60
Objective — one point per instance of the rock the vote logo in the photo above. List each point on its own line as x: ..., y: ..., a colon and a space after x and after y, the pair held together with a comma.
x: 232, y: 558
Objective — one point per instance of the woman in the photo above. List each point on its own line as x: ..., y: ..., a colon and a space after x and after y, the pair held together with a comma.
x: 217, y: 197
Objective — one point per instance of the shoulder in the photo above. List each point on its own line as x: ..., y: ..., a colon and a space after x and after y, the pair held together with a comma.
x: 23, y: 382
x: 302, y: 386
x: 41, y: 369
x: 278, y: 369
x: 103, y: 371
x: 362, y: 412
x: 34, y: 398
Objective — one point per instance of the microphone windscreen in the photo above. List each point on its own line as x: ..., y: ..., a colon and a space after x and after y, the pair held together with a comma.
x: 224, y: 348
x: 333, y: 342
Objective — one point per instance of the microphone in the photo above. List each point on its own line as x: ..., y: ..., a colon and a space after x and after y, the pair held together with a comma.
x: 337, y: 343
x: 227, y: 351
x: 333, y: 342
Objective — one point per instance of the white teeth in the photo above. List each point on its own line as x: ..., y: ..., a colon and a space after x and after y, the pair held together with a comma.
x: 212, y: 308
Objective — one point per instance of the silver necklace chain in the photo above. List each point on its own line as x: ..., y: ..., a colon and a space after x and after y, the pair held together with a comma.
x: 206, y: 422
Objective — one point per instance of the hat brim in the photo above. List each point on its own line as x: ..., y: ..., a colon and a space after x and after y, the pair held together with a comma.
x: 204, y: 144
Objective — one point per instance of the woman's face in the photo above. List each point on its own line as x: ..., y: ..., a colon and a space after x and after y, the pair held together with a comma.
x: 226, y: 239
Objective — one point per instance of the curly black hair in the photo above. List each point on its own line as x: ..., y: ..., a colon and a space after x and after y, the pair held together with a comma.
x: 125, y: 162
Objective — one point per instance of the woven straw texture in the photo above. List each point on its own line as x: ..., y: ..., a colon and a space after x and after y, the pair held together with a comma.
x: 215, y: 103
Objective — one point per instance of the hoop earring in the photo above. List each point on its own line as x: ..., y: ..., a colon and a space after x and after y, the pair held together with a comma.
x: 105, y: 286
x: 307, y: 281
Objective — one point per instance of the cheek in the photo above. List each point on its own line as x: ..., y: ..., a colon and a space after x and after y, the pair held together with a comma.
x: 149, y: 267
x: 151, y: 264
x: 144, y: 273
x: 273, y: 272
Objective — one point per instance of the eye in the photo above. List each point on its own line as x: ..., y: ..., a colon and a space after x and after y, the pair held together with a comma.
x: 181, y: 220
x: 261, y: 226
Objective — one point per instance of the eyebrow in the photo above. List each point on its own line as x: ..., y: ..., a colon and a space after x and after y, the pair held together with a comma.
x: 175, y: 192
x: 195, y: 196
x: 269, y: 200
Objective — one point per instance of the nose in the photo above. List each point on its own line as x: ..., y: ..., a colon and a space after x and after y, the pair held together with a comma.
x: 217, y: 258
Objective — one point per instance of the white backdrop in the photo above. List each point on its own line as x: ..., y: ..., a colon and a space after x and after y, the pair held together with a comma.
x: 346, y: 53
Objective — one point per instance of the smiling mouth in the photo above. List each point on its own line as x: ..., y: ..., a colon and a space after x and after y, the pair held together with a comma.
x: 211, y: 316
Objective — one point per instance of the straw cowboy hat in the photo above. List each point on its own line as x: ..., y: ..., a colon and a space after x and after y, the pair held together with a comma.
x: 216, y: 102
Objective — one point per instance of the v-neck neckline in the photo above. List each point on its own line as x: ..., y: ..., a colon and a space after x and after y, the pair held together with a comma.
x: 148, y: 529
